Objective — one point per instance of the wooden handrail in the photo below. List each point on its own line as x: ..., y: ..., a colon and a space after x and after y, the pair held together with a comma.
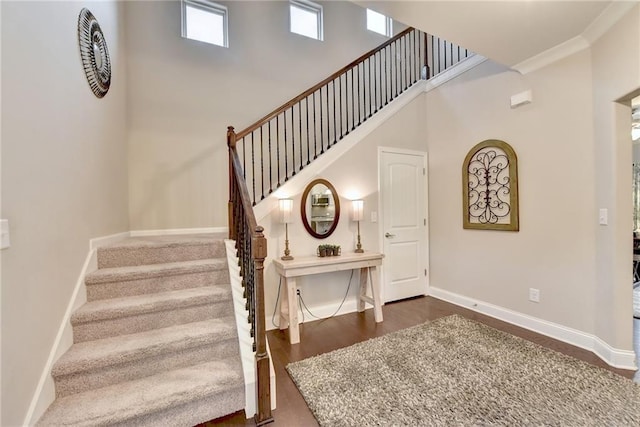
x: 252, y: 251
x: 317, y: 86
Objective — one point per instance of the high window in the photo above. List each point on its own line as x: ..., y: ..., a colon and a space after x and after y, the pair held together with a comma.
x: 205, y: 21
x: 306, y: 18
x: 379, y: 23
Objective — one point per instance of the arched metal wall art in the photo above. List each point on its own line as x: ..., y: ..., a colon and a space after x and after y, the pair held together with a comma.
x: 94, y: 53
x: 490, y: 187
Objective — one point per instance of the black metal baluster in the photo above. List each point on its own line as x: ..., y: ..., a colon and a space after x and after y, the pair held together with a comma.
x: 412, y: 57
x: 451, y: 45
x: 353, y: 104
x: 375, y: 85
x: 278, y: 147
x: 383, y: 78
x: 433, y: 53
x: 321, y: 125
x: 315, y: 130
x: 253, y: 171
x: 293, y: 143
x: 359, y: 97
x: 261, y: 162
x: 444, y: 55
x: 335, y: 122
x: 370, y: 90
x: 270, y: 160
x: 404, y: 65
x: 328, y: 119
x: 388, y: 73
x: 244, y: 160
x: 286, y: 149
x: 306, y: 110
x: 340, y: 104
x: 300, y: 133
x: 397, y: 67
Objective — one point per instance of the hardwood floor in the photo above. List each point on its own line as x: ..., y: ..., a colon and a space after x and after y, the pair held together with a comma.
x: 326, y: 335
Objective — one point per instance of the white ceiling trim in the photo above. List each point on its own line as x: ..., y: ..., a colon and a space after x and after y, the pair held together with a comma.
x: 552, y: 55
x: 609, y: 16
x: 612, y: 14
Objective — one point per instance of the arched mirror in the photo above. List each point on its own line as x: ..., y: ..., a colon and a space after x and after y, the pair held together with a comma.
x: 320, y: 208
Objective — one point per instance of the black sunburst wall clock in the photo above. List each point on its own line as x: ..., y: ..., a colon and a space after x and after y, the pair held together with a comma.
x: 94, y: 53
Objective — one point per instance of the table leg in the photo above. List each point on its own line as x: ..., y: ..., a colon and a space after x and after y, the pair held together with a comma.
x: 363, y: 289
x: 375, y: 292
x: 292, y: 297
x: 284, y: 305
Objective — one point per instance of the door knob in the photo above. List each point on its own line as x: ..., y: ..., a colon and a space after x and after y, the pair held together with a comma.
x: 389, y: 235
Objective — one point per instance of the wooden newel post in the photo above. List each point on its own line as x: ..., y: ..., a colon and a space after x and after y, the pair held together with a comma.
x: 231, y: 144
x: 263, y: 413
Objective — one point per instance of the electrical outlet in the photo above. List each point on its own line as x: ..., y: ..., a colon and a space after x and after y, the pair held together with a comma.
x: 534, y: 295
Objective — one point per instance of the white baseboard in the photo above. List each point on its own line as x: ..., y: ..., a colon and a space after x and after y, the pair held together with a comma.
x: 107, y: 240
x: 623, y: 359
x: 45, y: 392
x: 176, y: 231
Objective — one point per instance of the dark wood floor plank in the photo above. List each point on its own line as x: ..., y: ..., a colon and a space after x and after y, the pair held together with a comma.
x: 322, y: 336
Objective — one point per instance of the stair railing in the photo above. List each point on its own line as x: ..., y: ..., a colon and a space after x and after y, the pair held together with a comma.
x: 251, y: 247
x: 443, y: 54
x: 282, y: 143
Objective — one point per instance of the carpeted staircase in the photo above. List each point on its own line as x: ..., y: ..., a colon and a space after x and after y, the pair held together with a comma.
x: 156, y: 343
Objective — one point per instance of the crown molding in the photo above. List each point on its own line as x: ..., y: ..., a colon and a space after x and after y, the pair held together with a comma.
x: 552, y: 55
x: 607, y: 19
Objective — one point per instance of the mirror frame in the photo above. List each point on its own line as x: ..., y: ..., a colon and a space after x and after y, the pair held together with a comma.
x: 303, y: 208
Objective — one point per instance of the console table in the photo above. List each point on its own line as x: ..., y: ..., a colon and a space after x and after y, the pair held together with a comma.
x: 290, y: 270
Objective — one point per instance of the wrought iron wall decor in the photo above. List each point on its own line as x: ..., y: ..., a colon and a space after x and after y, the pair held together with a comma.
x: 94, y: 53
x: 490, y: 187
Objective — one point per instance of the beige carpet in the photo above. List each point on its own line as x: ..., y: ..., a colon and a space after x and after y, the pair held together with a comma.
x: 156, y: 343
x: 454, y: 371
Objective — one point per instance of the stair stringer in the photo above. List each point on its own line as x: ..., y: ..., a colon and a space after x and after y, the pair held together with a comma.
x: 247, y: 355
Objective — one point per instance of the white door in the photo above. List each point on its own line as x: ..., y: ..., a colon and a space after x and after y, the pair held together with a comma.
x: 403, y: 188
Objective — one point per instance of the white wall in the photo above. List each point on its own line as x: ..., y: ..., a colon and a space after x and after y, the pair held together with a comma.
x: 183, y: 95
x: 616, y: 77
x: 554, y: 249
x: 574, y: 154
x: 64, y: 177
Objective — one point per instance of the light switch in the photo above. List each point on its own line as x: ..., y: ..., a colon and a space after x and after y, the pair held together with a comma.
x: 603, y: 217
x: 4, y: 234
x: 374, y: 216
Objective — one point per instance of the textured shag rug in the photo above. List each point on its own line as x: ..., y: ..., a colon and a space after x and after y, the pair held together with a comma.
x: 455, y: 371
x: 636, y: 300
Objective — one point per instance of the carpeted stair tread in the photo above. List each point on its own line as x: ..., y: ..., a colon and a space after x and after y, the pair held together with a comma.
x: 113, y: 274
x: 160, y: 249
x: 139, y: 304
x: 126, y: 348
x: 131, y: 402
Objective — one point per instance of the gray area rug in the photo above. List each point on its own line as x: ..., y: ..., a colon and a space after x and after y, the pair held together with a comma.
x: 455, y: 371
x: 636, y: 300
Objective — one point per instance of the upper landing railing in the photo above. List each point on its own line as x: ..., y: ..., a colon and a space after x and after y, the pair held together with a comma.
x: 282, y: 143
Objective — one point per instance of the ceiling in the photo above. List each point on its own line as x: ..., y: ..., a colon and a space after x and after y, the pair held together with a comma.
x: 508, y: 32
